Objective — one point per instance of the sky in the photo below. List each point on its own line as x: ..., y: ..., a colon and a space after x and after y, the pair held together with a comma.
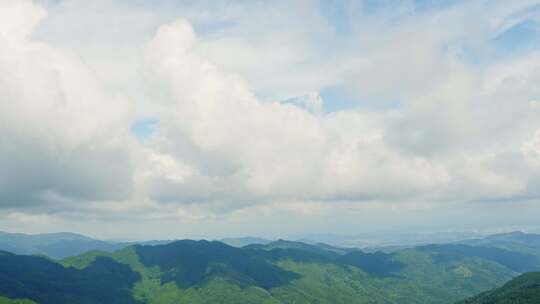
x: 210, y: 119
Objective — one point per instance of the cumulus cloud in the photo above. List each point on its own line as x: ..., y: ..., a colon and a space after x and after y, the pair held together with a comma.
x: 241, y: 150
x: 62, y: 138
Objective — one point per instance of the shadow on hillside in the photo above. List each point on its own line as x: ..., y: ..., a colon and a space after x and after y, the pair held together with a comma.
x: 189, y: 263
x: 47, y: 282
x: 378, y: 264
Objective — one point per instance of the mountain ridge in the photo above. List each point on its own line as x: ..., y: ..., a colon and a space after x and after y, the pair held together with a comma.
x: 524, y: 289
x: 291, y: 272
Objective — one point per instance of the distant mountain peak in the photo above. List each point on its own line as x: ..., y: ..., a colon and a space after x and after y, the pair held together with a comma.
x: 511, y: 233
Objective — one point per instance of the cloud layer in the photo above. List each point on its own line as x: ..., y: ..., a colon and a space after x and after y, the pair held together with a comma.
x: 443, y: 114
x: 62, y: 138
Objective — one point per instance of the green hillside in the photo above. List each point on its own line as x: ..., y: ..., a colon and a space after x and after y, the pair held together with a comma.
x: 283, y: 272
x: 4, y: 300
x: 524, y: 289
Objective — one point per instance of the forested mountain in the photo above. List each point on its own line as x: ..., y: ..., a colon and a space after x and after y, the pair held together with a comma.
x: 53, y: 245
x: 279, y: 272
x: 60, y: 245
x: 319, y: 248
x: 44, y: 281
x: 515, y: 241
x: 524, y: 289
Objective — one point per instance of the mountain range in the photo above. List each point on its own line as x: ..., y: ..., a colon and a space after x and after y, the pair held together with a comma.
x: 59, y: 245
x: 525, y: 289
x: 281, y: 271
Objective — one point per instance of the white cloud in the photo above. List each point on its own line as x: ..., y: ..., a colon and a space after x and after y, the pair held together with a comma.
x: 61, y: 136
x: 261, y: 150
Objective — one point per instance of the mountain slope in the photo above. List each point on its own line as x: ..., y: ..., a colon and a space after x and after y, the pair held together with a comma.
x: 53, y: 245
x: 285, y: 272
x: 196, y: 272
x: 321, y: 249
x: 4, y: 300
x: 44, y: 281
x: 515, y: 241
x: 524, y: 289
x: 513, y: 260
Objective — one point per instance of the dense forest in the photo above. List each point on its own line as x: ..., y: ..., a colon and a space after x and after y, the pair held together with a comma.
x: 278, y: 272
